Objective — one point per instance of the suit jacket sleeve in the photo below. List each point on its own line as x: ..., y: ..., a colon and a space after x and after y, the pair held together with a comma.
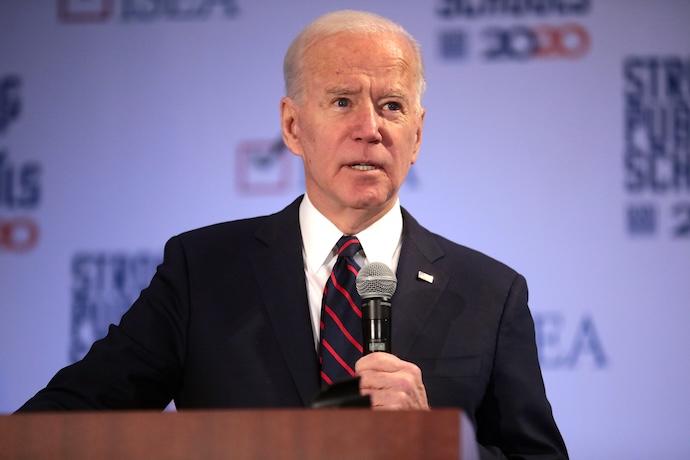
x: 139, y: 363
x: 223, y: 323
x: 515, y: 416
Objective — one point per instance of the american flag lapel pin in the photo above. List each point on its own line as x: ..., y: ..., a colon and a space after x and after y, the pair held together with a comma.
x: 425, y: 277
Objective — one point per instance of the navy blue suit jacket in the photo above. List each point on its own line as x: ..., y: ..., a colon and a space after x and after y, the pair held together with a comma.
x: 225, y: 324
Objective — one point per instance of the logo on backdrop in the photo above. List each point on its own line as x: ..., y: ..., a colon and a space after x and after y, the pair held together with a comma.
x: 95, y: 11
x: 564, y: 343
x: 520, y: 42
x: 479, y: 9
x: 104, y: 286
x: 20, y: 181
x: 657, y: 145
x: 267, y: 167
x: 10, y: 103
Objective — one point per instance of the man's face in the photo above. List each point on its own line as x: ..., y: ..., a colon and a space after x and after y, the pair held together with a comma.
x: 358, y: 125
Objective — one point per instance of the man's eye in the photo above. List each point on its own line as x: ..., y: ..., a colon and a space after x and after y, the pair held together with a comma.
x: 394, y: 106
x: 342, y: 102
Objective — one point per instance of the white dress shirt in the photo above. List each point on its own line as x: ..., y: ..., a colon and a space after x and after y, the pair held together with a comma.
x: 381, y: 242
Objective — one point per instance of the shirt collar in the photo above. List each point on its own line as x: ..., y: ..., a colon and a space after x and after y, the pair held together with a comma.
x: 319, y: 235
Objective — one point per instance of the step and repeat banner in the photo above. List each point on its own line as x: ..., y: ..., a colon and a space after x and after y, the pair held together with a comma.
x: 557, y: 139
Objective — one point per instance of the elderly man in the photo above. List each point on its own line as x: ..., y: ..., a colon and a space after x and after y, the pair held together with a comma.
x: 235, y: 316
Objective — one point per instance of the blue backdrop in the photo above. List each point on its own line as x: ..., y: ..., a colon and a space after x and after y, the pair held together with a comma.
x: 557, y: 139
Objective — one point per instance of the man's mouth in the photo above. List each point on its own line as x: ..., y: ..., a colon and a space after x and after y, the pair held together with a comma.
x: 363, y: 167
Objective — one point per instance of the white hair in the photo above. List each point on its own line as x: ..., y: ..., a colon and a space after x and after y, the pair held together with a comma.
x: 349, y: 21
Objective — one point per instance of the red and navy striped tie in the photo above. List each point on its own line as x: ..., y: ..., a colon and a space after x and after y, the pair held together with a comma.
x: 341, y: 316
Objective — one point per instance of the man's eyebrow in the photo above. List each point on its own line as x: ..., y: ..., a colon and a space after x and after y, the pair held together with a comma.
x: 395, y: 94
x: 342, y: 90
x: 346, y: 91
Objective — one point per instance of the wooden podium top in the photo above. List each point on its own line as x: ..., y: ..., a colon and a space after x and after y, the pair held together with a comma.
x: 238, y: 434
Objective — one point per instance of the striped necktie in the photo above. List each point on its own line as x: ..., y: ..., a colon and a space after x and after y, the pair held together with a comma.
x: 341, y: 316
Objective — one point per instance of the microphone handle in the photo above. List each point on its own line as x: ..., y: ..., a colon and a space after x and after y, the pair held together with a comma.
x: 376, y: 324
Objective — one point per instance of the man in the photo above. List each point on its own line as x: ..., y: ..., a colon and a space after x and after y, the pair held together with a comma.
x: 232, y: 316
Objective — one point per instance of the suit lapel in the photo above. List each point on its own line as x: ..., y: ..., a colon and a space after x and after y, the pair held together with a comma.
x: 279, y: 270
x: 415, y: 297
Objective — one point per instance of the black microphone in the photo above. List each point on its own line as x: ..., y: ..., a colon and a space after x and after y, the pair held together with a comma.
x: 376, y: 284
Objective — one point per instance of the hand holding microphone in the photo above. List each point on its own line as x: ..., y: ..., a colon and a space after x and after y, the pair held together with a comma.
x: 390, y: 382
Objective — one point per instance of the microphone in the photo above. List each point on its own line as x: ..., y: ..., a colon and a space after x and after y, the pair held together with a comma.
x: 376, y: 284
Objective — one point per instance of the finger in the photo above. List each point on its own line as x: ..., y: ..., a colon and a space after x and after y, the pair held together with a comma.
x: 380, y: 361
x: 396, y: 400
x: 394, y: 390
x: 387, y: 400
x: 399, y: 381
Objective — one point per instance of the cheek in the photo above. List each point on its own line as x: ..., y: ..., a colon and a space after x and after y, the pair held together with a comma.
x: 313, y: 138
x: 404, y: 150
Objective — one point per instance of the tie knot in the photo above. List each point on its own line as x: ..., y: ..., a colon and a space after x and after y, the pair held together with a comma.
x: 348, y: 246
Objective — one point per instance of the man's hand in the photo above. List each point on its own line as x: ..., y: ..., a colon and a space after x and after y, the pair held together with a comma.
x: 391, y: 382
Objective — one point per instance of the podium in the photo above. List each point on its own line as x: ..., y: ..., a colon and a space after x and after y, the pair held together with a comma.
x: 239, y: 434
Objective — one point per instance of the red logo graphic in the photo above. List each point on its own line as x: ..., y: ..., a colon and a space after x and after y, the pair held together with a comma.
x: 84, y: 11
x: 19, y: 234
x: 263, y: 167
x: 569, y: 41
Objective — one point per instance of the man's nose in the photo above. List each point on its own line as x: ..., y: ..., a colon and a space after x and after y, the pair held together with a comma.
x: 367, y: 124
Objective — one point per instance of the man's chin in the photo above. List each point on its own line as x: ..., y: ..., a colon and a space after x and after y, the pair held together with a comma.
x: 369, y: 202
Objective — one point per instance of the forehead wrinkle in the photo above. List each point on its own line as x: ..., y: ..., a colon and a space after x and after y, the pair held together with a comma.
x: 328, y: 51
x: 338, y: 67
x: 350, y: 76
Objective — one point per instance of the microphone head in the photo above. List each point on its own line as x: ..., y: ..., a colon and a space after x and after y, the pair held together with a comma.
x: 376, y: 280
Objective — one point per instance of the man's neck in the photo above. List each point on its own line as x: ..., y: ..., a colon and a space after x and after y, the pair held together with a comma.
x: 351, y: 221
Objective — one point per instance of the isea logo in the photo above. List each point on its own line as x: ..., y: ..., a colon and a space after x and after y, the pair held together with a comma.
x: 99, y: 11
x: 104, y: 286
x: 566, y: 343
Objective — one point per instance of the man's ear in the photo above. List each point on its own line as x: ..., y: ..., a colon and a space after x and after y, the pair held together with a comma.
x: 289, y: 122
x: 418, y: 136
